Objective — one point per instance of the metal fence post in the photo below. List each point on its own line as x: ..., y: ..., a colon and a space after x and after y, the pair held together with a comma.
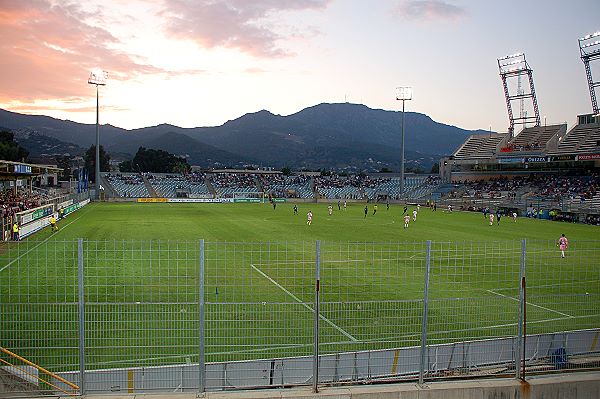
x: 316, y: 320
x: 425, y: 313
x: 519, y: 350
x: 201, y: 357
x: 81, y: 317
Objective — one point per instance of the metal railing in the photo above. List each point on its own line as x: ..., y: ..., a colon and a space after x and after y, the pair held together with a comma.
x: 148, y: 316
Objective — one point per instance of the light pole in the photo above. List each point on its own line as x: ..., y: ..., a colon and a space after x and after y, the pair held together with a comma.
x: 403, y: 94
x: 98, y: 78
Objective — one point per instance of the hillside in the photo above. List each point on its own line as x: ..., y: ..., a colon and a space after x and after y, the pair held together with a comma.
x: 340, y: 136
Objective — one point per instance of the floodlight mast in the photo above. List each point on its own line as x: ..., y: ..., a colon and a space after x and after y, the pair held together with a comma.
x: 515, y: 65
x: 98, y: 78
x: 589, y: 49
x: 403, y: 94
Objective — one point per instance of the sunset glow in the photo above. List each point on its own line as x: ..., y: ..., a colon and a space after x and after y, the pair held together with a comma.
x: 201, y: 63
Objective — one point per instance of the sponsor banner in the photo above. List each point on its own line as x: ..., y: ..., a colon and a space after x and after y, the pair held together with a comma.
x: 201, y: 200
x: 510, y: 160
x: 562, y: 158
x: 246, y: 200
x: 536, y: 159
x: 588, y: 157
x: 22, y: 169
x: 34, y: 226
x: 152, y: 200
x: 64, y: 204
x: 279, y: 200
x: 34, y: 214
x: 40, y: 223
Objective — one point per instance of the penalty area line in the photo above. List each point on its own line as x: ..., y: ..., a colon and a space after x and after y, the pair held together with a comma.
x: 531, y: 304
x: 325, y: 319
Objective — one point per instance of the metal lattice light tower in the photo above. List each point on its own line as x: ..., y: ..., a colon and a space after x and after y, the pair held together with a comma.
x: 589, y: 48
x: 516, y: 66
x: 98, y: 78
x: 403, y: 94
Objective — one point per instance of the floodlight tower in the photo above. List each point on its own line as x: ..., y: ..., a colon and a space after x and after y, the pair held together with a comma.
x: 402, y: 94
x: 98, y: 78
x: 589, y: 48
x: 516, y: 66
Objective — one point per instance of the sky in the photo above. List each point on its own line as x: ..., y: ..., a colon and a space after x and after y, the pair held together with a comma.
x: 197, y: 63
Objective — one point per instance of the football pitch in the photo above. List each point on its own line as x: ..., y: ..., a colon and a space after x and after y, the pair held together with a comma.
x: 142, y: 281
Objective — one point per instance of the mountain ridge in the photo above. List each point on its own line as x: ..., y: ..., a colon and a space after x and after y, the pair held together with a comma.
x: 326, y: 135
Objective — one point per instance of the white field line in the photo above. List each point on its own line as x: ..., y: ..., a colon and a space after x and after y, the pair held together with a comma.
x: 530, y: 304
x: 312, y: 262
x: 325, y: 319
x: 25, y: 253
x: 562, y: 284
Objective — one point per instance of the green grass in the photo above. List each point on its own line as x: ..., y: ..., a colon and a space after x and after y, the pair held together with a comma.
x: 142, y: 281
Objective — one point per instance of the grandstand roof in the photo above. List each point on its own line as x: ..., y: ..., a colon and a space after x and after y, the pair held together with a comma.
x: 16, y: 169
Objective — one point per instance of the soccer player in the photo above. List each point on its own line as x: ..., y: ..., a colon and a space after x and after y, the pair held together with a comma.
x: 387, y: 204
x: 418, y: 207
x: 53, y: 223
x: 374, y: 209
x: 491, y: 218
x: 330, y: 210
x: 366, y: 210
x: 563, y: 243
x: 498, y: 216
x: 406, y: 221
x: 414, y: 215
x: 345, y: 205
x: 515, y: 217
x: 295, y: 209
x: 339, y: 207
x: 309, y: 218
x: 405, y: 209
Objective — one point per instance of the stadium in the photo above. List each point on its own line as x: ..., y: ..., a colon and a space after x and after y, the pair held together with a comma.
x: 235, y: 279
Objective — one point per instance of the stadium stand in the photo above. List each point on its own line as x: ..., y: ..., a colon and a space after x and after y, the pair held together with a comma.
x: 280, y: 186
x: 128, y: 185
x: 533, y: 139
x: 228, y: 185
x: 173, y: 185
x: 480, y: 146
x: 581, y: 139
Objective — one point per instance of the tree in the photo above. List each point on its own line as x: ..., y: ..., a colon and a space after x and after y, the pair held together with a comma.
x: 126, y: 166
x: 10, y: 150
x: 64, y: 163
x: 158, y: 161
x: 90, y: 161
x: 286, y: 171
x: 435, y: 168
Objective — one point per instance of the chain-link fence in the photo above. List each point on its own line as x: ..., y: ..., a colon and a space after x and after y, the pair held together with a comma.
x: 146, y: 316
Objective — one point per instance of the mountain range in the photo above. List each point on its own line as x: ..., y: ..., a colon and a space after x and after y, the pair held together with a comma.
x: 340, y: 136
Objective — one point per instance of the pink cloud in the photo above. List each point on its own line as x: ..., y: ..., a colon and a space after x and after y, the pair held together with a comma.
x: 429, y: 10
x: 47, y: 52
x: 232, y: 24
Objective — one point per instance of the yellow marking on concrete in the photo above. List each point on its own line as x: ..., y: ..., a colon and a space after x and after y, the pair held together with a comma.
x: 130, y: 384
x: 595, y: 341
x: 395, y: 366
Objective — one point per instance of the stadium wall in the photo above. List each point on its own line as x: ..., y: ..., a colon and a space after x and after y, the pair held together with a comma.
x: 342, y: 368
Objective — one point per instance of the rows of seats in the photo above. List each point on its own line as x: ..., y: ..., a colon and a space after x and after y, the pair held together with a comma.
x: 128, y: 185
x: 479, y: 146
x: 532, y: 138
x: 167, y: 185
x: 581, y: 138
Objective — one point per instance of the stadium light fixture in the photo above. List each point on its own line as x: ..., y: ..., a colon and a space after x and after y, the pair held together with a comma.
x: 98, y: 77
x: 403, y: 93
